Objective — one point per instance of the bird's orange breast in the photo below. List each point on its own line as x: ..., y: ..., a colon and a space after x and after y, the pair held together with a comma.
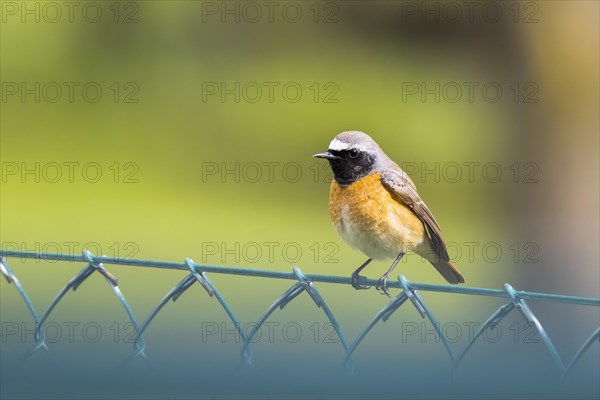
x: 371, y: 219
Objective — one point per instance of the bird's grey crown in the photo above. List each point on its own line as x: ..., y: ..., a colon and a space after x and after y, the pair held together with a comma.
x: 363, y: 142
x: 353, y: 139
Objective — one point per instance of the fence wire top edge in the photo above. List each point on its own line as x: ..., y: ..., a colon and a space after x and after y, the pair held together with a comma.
x: 590, y: 301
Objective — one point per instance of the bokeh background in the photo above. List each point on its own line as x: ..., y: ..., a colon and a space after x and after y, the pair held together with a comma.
x: 199, y: 158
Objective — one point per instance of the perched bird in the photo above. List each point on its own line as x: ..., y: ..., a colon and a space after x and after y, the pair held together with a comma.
x: 375, y: 208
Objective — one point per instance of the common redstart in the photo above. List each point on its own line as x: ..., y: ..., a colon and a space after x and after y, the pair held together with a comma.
x: 375, y: 208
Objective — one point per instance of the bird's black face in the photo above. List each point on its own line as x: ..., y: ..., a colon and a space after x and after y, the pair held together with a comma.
x: 349, y: 165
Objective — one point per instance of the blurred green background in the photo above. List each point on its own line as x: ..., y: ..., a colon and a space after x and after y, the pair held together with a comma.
x: 156, y: 135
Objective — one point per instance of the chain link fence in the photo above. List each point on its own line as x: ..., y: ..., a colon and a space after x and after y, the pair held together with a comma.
x: 303, y: 283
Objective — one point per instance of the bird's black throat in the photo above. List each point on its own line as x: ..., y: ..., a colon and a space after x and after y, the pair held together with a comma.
x: 347, y: 170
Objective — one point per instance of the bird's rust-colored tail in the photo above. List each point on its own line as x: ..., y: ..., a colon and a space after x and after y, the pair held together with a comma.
x: 440, y: 261
x: 448, y: 271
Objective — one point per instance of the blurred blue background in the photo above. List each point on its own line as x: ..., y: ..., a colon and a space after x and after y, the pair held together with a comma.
x: 165, y: 130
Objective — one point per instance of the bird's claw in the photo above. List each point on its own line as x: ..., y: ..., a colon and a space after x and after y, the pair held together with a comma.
x: 356, y: 285
x: 382, y: 285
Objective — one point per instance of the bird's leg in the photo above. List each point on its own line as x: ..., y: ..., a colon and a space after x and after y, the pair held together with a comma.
x: 355, y: 276
x: 383, y: 280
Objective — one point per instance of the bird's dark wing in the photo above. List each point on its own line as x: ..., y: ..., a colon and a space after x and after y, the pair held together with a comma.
x: 400, y: 183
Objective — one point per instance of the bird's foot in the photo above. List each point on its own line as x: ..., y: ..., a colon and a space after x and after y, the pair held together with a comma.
x: 355, y: 278
x: 382, y: 285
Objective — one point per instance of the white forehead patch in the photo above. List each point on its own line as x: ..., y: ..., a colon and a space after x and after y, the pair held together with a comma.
x: 338, y: 145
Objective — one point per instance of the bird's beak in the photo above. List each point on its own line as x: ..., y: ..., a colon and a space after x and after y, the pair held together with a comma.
x: 327, y: 155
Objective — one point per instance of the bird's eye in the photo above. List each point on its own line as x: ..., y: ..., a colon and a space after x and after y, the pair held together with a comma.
x: 353, y: 153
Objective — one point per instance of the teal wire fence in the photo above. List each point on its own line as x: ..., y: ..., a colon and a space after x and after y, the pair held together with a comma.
x: 198, y: 273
